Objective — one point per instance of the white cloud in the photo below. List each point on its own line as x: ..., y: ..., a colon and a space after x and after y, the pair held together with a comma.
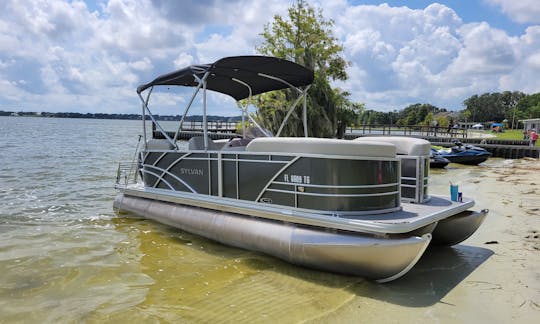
x: 60, y: 54
x: 400, y: 51
x: 183, y: 60
x: 521, y: 11
x: 402, y: 56
x: 142, y: 65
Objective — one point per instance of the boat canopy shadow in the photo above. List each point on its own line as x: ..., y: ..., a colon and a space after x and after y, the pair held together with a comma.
x: 438, y: 271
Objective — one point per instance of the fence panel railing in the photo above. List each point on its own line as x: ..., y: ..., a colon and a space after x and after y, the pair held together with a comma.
x: 409, y: 130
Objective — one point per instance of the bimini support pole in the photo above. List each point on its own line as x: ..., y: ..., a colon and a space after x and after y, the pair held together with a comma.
x: 303, y: 93
x: 144, y: 104
x: 244, y: 108
x: 243, y: 120
x: 145, y: 108
x: 189, y: 104
x: 305, y: 115
x: 205, y: 124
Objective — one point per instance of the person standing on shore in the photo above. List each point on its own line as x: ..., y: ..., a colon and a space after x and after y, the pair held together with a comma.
x: 533, y: 137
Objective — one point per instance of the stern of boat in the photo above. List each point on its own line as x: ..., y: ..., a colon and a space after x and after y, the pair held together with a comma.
x: 456, y: 229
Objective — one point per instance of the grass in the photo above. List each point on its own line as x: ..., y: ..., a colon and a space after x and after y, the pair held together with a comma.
x: 509, y: 134
x: 512, y: 134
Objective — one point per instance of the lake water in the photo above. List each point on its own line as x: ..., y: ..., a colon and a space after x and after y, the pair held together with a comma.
x: 66, y: 257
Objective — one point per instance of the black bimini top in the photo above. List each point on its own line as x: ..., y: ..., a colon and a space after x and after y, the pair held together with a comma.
x: 248, y: 69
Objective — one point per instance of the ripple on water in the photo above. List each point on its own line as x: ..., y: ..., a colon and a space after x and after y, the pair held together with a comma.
x: 64, y: 271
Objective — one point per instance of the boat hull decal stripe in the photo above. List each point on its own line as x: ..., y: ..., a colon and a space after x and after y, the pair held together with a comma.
x: 157, y: 176
x: 334, y: 195
x: 168, y: 168
x: 162, y: 179
x: 335, y: 186
x: 275, y: 176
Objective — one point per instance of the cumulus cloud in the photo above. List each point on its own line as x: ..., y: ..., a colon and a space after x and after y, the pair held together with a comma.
x: 401, y: 56
x: 60, y: 55
x: 401, y: 51
x: 522, y: 11
x: 183, y: 60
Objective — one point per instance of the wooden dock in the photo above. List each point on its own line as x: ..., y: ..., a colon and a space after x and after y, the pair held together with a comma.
x: 186, y: 135
x: 213, y: 126
x: 408, y: 130
x: 508, y: 149
x: 216, y: 130
x: 502, y: 150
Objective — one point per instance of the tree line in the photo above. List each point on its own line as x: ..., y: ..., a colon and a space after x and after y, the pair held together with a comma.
x: 508, y: 107
x: 194, y: 118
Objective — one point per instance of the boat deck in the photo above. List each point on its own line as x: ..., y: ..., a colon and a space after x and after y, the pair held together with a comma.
x: 418, y: 215
x: 411, y: 216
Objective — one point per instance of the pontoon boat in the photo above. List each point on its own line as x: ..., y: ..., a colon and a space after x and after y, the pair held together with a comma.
x: 356, y: 207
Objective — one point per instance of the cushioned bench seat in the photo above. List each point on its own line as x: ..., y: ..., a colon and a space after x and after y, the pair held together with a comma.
x: 404, y: 145
x: 324, y: 146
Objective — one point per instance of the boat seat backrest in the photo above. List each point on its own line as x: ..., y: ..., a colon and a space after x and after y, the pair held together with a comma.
x: 404, y: 145
x: 413, y: 152
x: 158, y: 144
x: 324, y: 146
x: 236, y: 144
x: 197, y: 144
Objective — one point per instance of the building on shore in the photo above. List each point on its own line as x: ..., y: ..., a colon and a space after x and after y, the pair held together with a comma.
x: 530, y: 124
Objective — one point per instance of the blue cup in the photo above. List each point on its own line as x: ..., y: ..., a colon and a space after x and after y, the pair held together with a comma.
x: 454, y: 192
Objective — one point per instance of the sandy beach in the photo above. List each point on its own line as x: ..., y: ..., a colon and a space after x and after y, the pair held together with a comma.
x: 493, y: 277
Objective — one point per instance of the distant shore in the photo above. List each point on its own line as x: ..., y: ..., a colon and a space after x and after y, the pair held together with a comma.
x: 115, y: 116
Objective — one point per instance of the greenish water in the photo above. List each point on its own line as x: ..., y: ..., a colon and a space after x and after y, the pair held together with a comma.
x: 66, y: 257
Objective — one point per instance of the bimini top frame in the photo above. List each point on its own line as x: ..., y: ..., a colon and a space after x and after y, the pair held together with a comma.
x: 240, y: 77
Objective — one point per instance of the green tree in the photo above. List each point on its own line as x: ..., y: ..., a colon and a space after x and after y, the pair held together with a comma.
x: 428, y: 120
x: 510, y: 100
x: 442, y: 121
x: 528, y: 107
x: 416, y: 114
x: 305, y: 37
x: 493, y: 106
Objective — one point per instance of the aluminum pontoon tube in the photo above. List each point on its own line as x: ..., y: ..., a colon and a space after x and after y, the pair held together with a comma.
x: 372, y: 257
x: 458, y: 228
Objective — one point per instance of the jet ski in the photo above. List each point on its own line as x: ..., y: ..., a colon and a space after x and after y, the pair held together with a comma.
x: 436, y: 160
x: 465, y: 154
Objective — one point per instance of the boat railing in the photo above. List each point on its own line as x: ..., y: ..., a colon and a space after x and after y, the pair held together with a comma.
x: 406, y: 130
x: 414, y: 178
x: 126, y: 174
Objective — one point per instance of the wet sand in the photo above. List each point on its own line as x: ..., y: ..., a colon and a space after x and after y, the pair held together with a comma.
x: 493, y: 277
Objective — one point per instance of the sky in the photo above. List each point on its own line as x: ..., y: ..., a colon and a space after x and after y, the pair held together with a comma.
x: 90, y: 56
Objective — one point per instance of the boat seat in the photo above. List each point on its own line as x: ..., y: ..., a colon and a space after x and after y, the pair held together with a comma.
x: 197, y: 144
x: 236, y: 144
x: 158, y: 144
x: 404, y: 145
x: 325, y: 146
x: 414, y: 153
